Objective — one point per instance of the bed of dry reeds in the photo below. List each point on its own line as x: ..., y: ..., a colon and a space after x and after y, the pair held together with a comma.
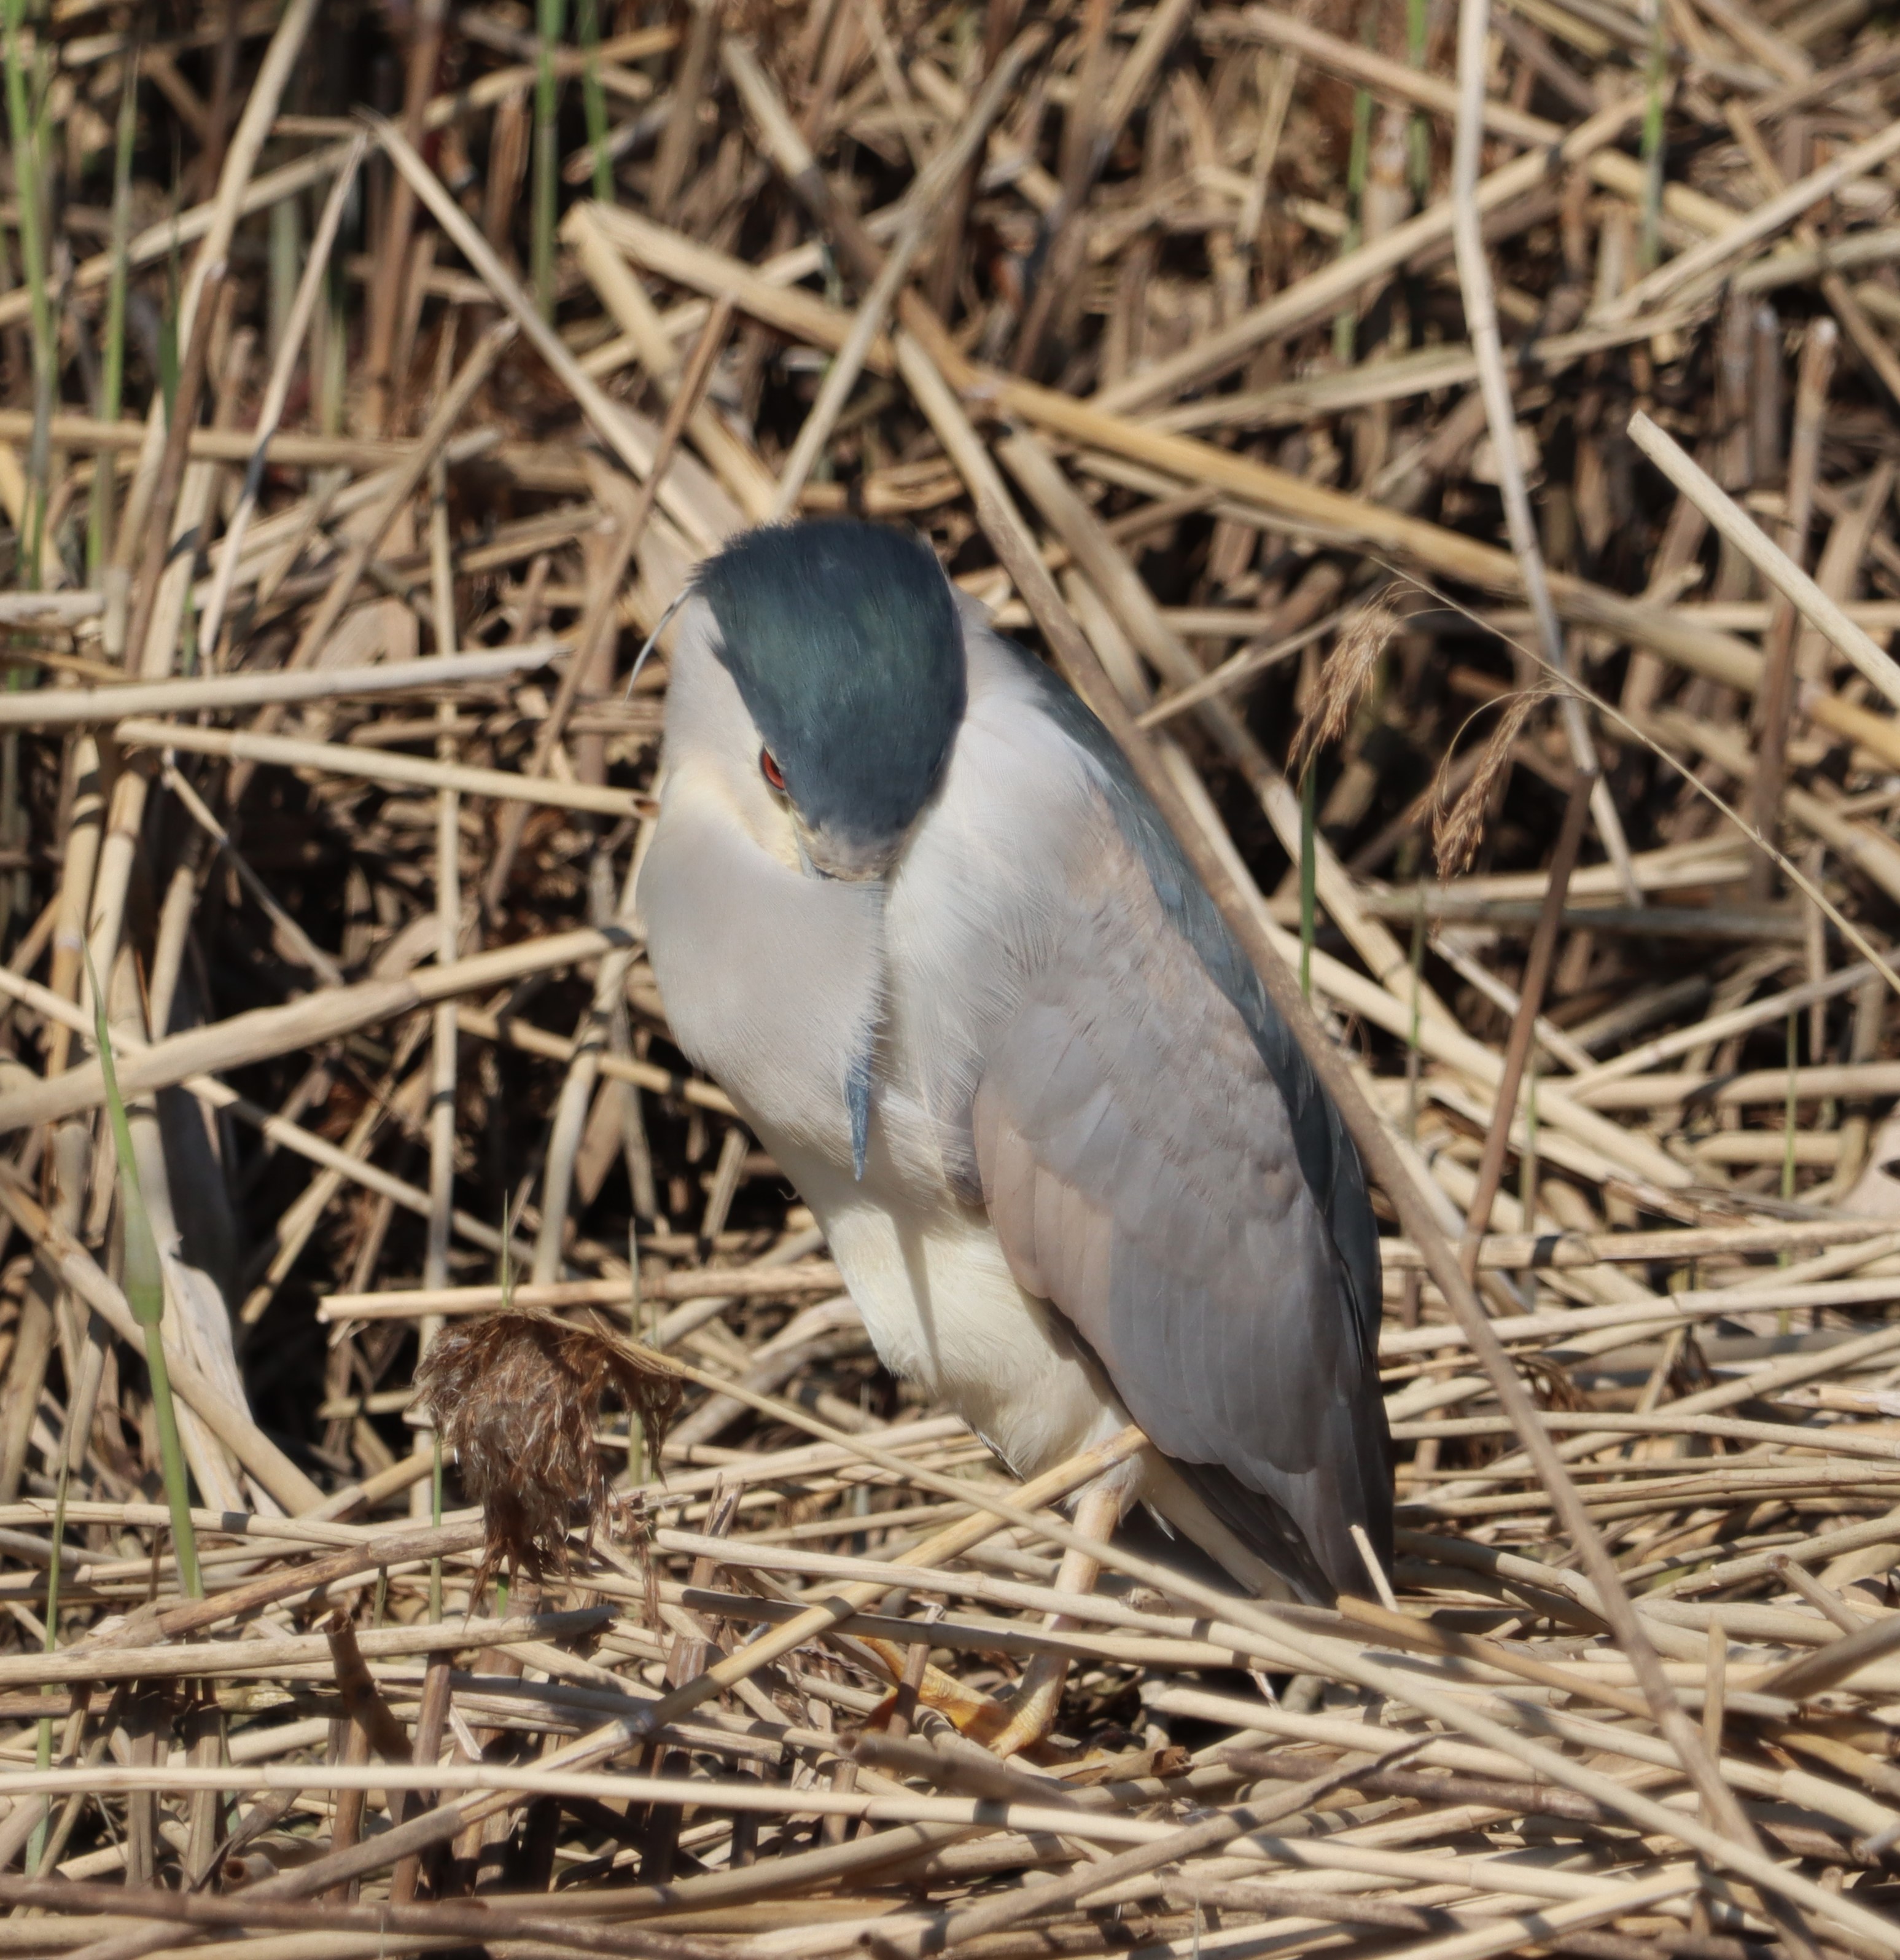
x: 445, y: 1500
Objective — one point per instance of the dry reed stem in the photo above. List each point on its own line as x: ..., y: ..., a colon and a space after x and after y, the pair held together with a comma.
x: 1874, y: 662
x: 80, y: 706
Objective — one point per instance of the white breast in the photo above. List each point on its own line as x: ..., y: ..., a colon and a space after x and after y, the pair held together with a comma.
x: 943, y: 1311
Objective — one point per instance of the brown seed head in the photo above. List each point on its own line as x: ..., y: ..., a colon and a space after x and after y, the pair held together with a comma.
x: 1456, y: 832
x: 1345, y: 678
x: 515, y: 1396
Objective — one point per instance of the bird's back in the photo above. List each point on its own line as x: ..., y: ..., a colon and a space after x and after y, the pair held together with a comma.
x: 1104, y: 1067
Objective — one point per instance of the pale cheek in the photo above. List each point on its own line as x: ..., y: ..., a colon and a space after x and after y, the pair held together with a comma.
x: 747, y: 805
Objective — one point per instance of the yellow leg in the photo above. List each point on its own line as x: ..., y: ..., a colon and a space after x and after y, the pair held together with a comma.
x: 1039, y: 1695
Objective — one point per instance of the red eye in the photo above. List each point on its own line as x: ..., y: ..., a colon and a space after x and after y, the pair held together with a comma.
x: 769, y: 769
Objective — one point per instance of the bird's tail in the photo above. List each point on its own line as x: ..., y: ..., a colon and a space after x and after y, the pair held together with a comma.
x: 1288, y: 1578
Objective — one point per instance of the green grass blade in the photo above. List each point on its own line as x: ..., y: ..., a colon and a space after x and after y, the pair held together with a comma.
x: 554, y: 21
x: 168, y: 349
x: 1528, y: 1170
x: 1309, y: 804
x: 594, y: 98
x: 1787, y: 1116
x: 1413, y: 1054
x: 1419, y: 130
x: 1346, y: 322
x: 435, y: 1518
x: 1656, y: 79
x: 112, y: 378
x: 144, y: 1284
x: 43, y: 1746
x: 23, y: 123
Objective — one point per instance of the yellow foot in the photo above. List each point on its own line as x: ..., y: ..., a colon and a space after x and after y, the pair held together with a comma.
x: 1008, y: 1728
x: 981, y: 1717
x: 1032, y: 1713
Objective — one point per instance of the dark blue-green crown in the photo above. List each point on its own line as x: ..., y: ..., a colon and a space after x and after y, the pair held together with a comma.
x: 844, y: 642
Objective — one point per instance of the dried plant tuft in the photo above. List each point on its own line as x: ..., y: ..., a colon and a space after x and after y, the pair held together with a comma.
x: 1550, y: 1384
x: 1345, y: 678
x: 516, y: 1395
x: 1457, y: 831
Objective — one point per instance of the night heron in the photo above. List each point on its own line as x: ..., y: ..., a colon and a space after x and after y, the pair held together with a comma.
x: 906, y: 902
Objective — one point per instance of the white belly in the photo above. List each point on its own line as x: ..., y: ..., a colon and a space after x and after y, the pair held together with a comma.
x: 943, y: 1311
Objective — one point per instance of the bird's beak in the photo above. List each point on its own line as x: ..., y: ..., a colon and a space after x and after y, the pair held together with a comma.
x: 855, y: 861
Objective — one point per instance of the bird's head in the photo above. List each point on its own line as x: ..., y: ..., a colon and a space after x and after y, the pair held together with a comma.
x: 842, y: 643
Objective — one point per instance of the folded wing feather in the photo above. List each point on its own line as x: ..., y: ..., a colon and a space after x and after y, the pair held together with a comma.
x: 1140, y: 1167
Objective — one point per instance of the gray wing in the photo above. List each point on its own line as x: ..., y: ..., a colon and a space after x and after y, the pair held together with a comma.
x: 1147, y: 1172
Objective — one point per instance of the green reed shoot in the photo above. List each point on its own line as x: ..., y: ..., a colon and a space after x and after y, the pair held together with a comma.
x: 554, y: 21
x: 1346, y: 322
x: 112, y: 368
x: 1418, y: 130
x: 1414, y: 1055
x: 43, y: 1747
x: 23, y: 123
x: 1787, y: 1116
x: 1309, y: 872
x: 170, y: 356
x: 435, y: 1519
x: 1527, y: 1168
x: 144, y: 1284
x: 594, y: 98
x: 1786, y: 1319
x: 1656, y: 79
x: 26, y: 112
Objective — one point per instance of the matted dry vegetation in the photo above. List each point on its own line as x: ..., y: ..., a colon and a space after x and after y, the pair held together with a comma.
x: 373, y: 376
